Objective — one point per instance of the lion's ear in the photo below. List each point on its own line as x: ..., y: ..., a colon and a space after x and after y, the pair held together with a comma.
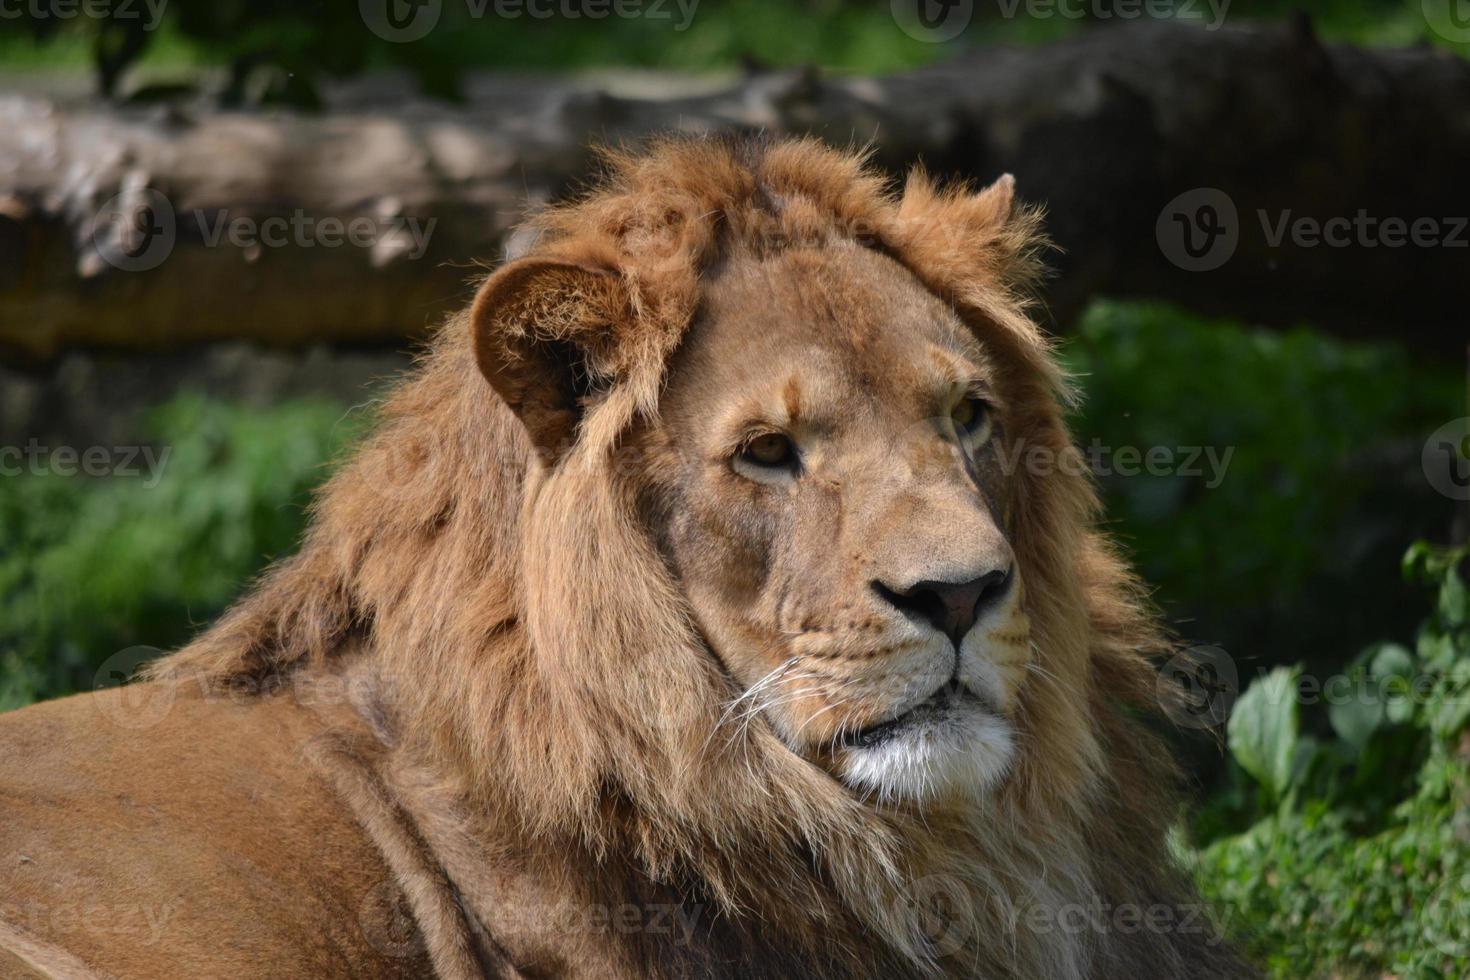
x: 541, y: 329
x: 989, y: 209
x: 966, y: 238
x: 998, y: 201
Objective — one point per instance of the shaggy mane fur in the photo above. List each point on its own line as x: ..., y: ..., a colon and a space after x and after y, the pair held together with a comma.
x: 531, y: 641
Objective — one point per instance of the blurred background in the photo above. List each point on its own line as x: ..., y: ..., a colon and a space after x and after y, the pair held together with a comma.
x: 225, y: 224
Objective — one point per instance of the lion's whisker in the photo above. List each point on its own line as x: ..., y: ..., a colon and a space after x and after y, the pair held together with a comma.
x: 834, y: 704
x: 755, y: 688
x: 786, y: 698
x: 755, y: 700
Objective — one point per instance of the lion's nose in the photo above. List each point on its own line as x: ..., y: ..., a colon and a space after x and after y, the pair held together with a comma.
x: 951, y: 607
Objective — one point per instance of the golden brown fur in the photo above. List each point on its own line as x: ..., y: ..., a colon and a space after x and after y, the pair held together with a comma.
x: 200, y: 845
x: 557, y: 724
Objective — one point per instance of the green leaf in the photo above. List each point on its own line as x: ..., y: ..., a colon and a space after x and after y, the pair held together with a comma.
x: 1415, y: 558
x: 1454, y: 600
x: 1356, y: 719
x: 1263, y: 729
x: 1399, y: 706
x: 1436, y: 650
x: 1452, y: 712
x: 1394, y: 672
x: 1392, y: 660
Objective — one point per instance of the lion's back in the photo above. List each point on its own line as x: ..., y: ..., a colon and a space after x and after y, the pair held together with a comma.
x: 152, y: 831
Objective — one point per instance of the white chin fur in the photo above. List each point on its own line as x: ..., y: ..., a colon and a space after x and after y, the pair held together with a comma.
x: 967, y: 752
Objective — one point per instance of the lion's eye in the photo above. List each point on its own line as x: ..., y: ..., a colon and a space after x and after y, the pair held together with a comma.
x: 971, y: 417
x: 771, y: 450
x: 767, y: 458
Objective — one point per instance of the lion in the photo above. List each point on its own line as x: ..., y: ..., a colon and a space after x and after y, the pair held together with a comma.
x: 696, y: 610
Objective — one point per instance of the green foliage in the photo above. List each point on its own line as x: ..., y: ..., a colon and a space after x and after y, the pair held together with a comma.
x: 1358, y: 862
x: 1291, y: 553
x: 293, y: 46
x: 1263, y: 731
x: 92, y: 566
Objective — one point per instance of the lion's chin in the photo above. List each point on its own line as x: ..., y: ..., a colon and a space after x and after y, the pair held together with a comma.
x: 964, y: 750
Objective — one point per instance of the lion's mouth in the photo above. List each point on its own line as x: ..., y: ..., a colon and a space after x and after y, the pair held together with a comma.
x: 935, y: 709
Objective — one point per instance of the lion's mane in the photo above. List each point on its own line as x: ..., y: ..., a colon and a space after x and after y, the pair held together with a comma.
x: 532, y: 641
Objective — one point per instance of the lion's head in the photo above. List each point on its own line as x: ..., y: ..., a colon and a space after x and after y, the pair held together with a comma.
x: 741, y: 568
x: 832, y: 496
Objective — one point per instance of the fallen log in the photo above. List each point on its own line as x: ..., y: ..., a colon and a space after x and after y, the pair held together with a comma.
x: 1253, y: 172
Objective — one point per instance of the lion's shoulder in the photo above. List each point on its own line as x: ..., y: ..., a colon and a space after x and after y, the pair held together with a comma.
x: 152, y: 830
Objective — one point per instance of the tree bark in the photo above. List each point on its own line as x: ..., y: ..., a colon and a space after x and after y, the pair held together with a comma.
x: 1106, y: 130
